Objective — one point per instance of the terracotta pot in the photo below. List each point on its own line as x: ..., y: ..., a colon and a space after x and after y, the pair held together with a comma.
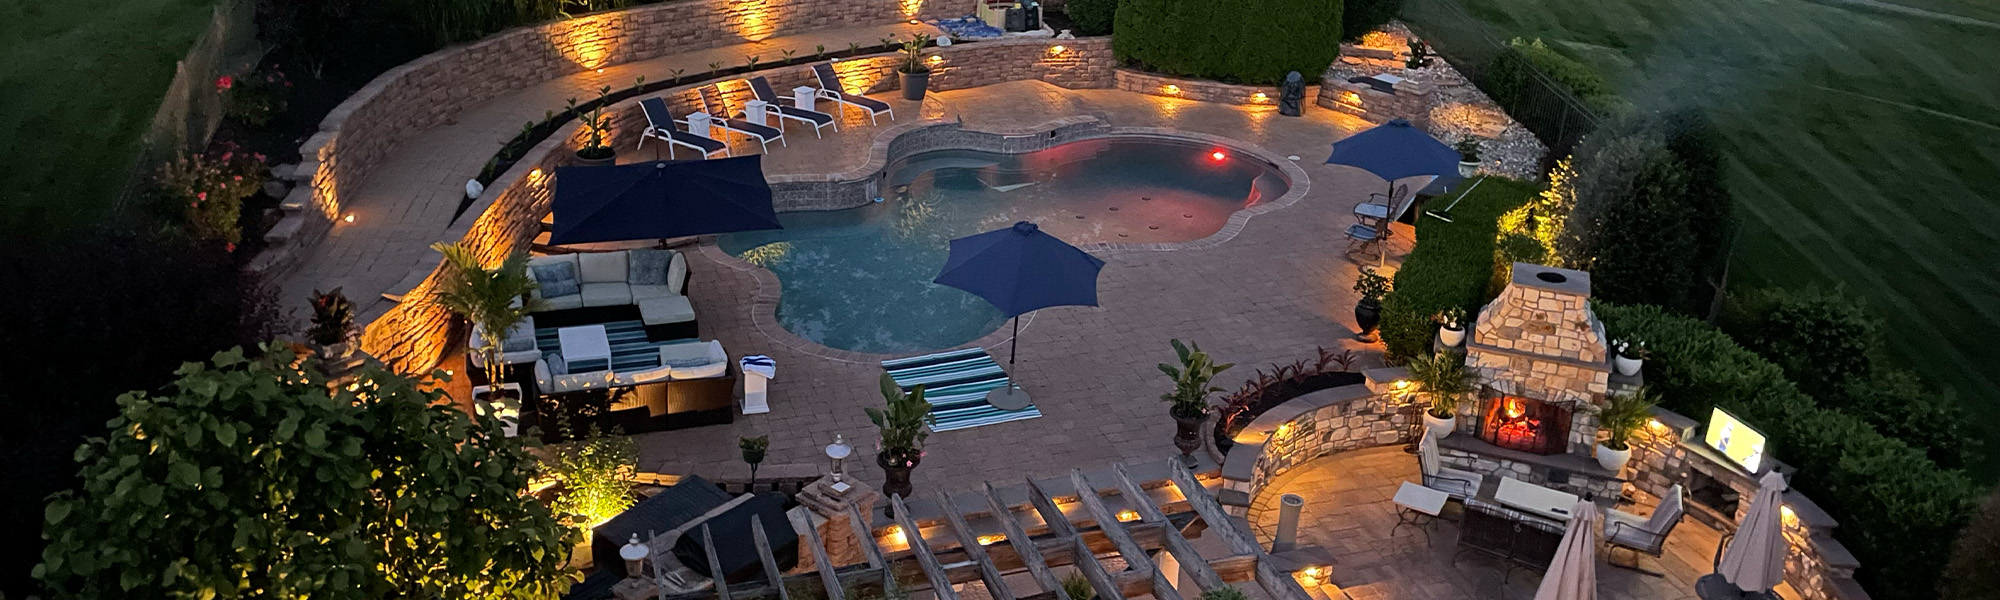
x: 1440, y: 428
x: 1187, y: 436
x: 1451, y: 337
x: 1614, y: 460
x: 895, y: 481
x: 1367, y: 316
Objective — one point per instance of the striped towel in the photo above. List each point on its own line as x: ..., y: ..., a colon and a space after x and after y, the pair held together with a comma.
x: 956, y: 384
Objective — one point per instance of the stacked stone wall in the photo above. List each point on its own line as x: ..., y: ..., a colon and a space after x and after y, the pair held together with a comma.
x: 1195, y: 89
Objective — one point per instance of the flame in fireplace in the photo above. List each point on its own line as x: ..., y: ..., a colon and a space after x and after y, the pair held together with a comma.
x: 1514, y: 408
x: 1521, y: 424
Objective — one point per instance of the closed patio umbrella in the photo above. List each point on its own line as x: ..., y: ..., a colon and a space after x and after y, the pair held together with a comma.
x: 660, y: 199
x: 1754, y: 561
x: 1572, y: 574
x: 1019, y: 270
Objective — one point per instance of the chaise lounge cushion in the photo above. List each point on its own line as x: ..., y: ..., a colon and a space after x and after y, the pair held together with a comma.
x: 649, y: 266
x: 606, y: 294
x: 602, y: 267
x: 700, y: 360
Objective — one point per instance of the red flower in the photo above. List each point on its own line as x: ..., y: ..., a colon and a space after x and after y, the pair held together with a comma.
x: 239, y: 177
x: 223, y: 82
x: 229, y: 247
x: 201, y: 196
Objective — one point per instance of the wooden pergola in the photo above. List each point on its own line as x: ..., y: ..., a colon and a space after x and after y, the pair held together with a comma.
x: 947, y: 548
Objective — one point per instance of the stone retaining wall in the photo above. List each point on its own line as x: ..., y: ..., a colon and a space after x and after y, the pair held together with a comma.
x: 1308, y: 427
x: 1194, y: 89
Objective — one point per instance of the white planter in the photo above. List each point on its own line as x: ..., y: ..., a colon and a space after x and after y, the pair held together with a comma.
x: 1451, y: 337
x: 1467, y: 168
x: 1613, y: 460
x: 1628, y: 366
x: 1440, y: 428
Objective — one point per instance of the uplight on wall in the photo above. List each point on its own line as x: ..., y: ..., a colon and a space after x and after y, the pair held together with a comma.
x: 1171, y: 89
x: 936, y: 60
x: 990, y: 539
x: 1260, y: 97
x: 1128, y: 515
x: 349, y: 218
x: 1058, y: 49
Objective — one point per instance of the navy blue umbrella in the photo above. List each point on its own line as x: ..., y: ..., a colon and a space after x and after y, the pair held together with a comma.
x: 1020, y: 269
x: 1393, y: 151
x: 660, y: 199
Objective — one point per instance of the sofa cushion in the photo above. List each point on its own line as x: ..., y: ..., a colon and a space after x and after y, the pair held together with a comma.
x: 641, y: 293
x: 571, y: 301
x: 520, y: 337
x: 677, y: 273
x: 659, y: 373
x: 602, y: 267
x: 665, y: 310
x: 554, y: 275
x: 557, y: 366
x: 606, y: 294
x: 698, y: 360
x: 648, y: 266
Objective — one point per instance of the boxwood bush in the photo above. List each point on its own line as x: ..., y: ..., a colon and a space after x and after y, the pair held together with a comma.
x: 1897, y: 509
x: 1241, y: 41
x: 1091, y: 17
x: 1359, y: 17
x: 1450, y: 265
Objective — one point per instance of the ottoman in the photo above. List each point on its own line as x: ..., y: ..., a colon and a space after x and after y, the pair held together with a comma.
x: 668, y: 318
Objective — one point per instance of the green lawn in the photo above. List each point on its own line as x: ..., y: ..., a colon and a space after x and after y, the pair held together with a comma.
x: 80, y: 82
x: 1864, y: 148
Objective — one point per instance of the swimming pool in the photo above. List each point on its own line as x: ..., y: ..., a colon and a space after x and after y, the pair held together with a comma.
x: 860, y: 279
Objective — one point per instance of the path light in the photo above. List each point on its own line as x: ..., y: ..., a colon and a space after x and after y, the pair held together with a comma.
x: 1128, y: 515
x: 635, y: 555
x: 1315, y: 576
x: 1260, y: 97
x: 1172, y: 89
x: 895, y: 537
x: 988, y: 540
x: 838, y: 451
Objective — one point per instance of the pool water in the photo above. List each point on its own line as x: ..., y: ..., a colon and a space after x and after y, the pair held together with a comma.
x: 860, y: 279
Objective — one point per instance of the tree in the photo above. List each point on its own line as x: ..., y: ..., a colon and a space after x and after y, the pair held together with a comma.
x: 1645, y: 213
x: 250, y: 478
x: 1247, y: 41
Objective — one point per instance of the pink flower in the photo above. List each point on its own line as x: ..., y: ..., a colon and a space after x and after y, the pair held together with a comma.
x: 229, y: 247
x: 227, y: 155
x: 224, y: 82
x: 201, y: 196
x: 239, y: 178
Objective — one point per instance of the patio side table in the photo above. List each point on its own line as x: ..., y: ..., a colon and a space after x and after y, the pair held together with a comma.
x: 1418, y: 506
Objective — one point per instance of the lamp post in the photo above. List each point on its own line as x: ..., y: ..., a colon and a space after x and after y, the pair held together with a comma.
x: 635, y: 555
x: 838, y: 451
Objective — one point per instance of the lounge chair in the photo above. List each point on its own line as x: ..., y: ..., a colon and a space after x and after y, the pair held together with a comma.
x: 830, y: 88
x: 1459, y: 484
x: 762, y: 88
x: 660, y: 124
x: 726, y: 122
x: 1643, y: 534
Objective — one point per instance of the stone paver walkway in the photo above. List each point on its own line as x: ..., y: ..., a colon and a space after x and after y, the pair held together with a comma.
x: 1348, y: 512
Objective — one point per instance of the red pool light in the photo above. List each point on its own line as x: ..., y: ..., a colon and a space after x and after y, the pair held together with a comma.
x: 1218, y: 155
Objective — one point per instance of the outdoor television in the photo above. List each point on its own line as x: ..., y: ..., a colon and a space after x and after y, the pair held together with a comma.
x: 1743, y: 445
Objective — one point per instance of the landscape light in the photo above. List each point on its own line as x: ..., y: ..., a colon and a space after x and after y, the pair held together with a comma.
x: 349, y: 218
x: 1218, y: 155
x: 1057, y: 49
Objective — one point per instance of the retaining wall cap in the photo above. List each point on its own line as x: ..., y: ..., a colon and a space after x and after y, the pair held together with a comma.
x: 1260, y: 428
x: 1241, y: 464
x: 1233, y: 498
x: 1386, y: 374
x: 1832, y: 552
x: 1809, y: 512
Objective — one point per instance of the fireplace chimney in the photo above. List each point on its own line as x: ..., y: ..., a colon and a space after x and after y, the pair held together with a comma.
x: 1540, y: 338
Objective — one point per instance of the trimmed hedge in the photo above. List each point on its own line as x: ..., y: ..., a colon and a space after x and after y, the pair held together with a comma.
x: 1091, y: 17
x: 1450, y: 265
x: 1897, y: 509
x: 1240, y: 41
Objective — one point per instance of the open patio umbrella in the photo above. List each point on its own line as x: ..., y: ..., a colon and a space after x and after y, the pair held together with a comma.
x: 1019, y: 270
x: 1394, y: 151
x: 1572, y: 574
x: 660, y: 199
x: 1754, y: 560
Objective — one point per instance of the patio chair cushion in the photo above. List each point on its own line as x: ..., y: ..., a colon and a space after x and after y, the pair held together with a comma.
x: 643, y: 292
x: 659, y: 373
x: 555, y: 362
x: 1670, y: 510
x: 666, y: 309
x: 571, y: 301
x: 647, y: 266
x: 555, y: 276
x: 699, y: 360
x: 606, y: 294
x: 602, y: 267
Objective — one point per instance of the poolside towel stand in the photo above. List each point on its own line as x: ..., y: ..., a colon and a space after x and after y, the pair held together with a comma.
x: 830, y: 88
x: 727, y: 122
x: 660, y: 124
x: 786, y: 112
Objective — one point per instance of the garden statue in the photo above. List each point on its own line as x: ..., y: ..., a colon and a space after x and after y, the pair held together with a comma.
x: 1293, y: 95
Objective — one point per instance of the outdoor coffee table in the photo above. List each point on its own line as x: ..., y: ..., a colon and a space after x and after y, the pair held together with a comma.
x: 1535, y: 500
x: 584, y: 344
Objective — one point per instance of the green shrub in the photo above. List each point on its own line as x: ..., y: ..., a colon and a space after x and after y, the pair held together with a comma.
x: 1246, y: 41
x: 1971, y: 575
x: 1450, y: 266
x: 1510, y: 79
x: 1636, y: 222
x: 1359, y: 17
x: 1092, y: 17
x: 1893, y: 503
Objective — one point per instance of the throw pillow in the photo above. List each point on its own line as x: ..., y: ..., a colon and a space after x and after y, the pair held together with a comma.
x: 557, y: 366
x: 558, y: 279
x: 688, y: 363
x: 518, y: 342
x: 649, y: 266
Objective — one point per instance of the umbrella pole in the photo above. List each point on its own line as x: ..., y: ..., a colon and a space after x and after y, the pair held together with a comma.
x: 1011, y: 396
x: 1382, y: 237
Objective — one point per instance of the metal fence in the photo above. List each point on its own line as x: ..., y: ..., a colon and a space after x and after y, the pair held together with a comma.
x: 193, y: 105
x: 1529, y: 95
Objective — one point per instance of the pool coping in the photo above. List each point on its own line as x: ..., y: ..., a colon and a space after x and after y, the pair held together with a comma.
x: 764, y: 304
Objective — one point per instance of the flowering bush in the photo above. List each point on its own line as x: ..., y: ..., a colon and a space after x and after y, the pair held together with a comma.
x: 258, y: 96
x: 206, y: 191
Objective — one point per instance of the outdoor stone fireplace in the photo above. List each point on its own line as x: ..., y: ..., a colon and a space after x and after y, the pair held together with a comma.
x: 1524, y: 424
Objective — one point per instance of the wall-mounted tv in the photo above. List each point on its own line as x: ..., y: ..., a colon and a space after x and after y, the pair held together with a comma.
x: 1743, y: 444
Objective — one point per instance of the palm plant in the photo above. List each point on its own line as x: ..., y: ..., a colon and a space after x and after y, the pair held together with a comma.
x: 905, y: 421
x: 1623, y: 414
x: 1191, y: 380
x: 1442, y: 376
x: 494, y: 299
x: 913, y: 54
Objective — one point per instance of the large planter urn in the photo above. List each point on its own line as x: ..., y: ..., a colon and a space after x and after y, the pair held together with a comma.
x: 1468, y: 168
x: 895, y: 481
x: 1451, y: 337
x: 1439, y: 428
x: 1613, y: 460
x: 914, y: 84
x: 1367, y: 316
x: 1187, y: 436
x: 1628, y: 366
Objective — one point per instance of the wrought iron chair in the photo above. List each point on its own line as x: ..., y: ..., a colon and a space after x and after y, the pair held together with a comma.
x: 1647, y: 535
x: 1460, y: 484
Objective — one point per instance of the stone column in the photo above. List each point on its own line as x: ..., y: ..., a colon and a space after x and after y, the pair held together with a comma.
x: 830, y: 501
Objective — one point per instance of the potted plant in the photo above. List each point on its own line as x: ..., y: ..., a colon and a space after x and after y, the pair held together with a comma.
x: 914, y: 75
x: 1188, y: 403
x: 1451, y: 326
x: 1630, y: 356
x: 1441, y: 376
x: 1368, y: 312
x: 1621, y: 415
x: 1468, y: 156
x: 904, y: 421
x: 596, y: 150
x: 332, y: 324
x: 753, y: 452
x: 493, y: 299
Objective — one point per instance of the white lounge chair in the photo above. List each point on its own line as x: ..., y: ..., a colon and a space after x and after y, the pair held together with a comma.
x: 726, y: 122
x: 830, y: 88
x: 660, y: 125
x: 786, y: 112
x: 1643, y: 534
x: 1459, y: 484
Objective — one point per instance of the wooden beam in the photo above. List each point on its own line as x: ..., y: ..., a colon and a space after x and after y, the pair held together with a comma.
x: 1177, y: 544
x: 1211, y: 511
x: 771, y: 572
x: 996, y: 583
x: 868, y: 547
x: 827, y: 577
x: 1085, y: 558
x: 714, y: 565
x: 1135, y: 556
x: 1059, y: 552
x: 1278, y: 584
x: 1031, y: 557
x: 940, y: 582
